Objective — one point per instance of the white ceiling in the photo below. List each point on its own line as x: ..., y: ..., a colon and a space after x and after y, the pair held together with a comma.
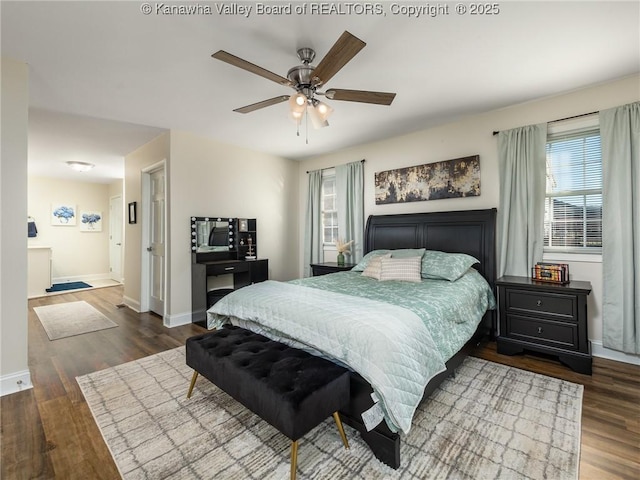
x: 105, y: 78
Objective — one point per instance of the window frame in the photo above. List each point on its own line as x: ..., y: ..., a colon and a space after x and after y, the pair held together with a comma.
x: 581, y: 126
x: 329, y: 174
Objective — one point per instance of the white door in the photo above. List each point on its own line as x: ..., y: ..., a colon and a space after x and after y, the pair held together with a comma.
x: 156, y: 238
x: 115, y: 238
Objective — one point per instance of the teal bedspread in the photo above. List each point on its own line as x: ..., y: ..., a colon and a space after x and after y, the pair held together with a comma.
x: 439, y: 303
x: 396, y: 335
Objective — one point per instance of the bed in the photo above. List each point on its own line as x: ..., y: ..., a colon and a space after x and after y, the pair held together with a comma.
x: 346, y: 315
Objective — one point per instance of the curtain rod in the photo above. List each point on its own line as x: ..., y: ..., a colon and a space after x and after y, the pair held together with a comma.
x: 496, y: 132
x: 327, y: 168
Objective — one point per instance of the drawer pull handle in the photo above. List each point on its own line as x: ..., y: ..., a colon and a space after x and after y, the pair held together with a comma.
x: 539, y: 303
x: 229, y: 268
x: 539, y: 330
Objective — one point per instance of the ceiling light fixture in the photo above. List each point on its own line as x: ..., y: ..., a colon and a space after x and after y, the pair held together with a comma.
x: 80, y: 166
x: 304, y: 101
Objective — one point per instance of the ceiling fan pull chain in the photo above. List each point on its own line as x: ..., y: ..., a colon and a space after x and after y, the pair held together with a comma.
x: 306, y: 125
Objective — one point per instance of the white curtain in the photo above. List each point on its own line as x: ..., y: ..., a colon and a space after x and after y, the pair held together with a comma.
x: 620, y: 139
x: 350, y: 205
x: 313, y: 226
x: 522, y: 165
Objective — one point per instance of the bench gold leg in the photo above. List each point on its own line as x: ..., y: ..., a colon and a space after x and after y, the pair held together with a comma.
x: 336, y: 417
x: 193, y: 382
x: 294, y: 459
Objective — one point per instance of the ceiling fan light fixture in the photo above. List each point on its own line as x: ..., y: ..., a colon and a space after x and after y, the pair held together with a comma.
x: 324, y: 110
x: 296, y: 117
x: 80, y: 166
x: 316, y: 118
x: 297, y: 102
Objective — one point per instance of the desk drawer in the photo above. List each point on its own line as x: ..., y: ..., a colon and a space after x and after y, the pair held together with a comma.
x: 223, y: 268
x: 546, y: 332
x: 563, y: 306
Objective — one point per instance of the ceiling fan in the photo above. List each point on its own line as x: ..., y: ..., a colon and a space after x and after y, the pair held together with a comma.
x: 306, y: 79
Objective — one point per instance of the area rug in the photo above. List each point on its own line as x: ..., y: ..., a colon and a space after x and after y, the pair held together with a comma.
x: 488, y: 422
x: 71, y: 318
x: 61, y: 287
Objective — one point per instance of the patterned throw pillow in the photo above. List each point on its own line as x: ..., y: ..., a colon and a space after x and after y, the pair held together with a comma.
x: 362, y: 264
x: 374, y: 267
x: 403, y: 269
x: 398, y: 253
x: 446, y: 266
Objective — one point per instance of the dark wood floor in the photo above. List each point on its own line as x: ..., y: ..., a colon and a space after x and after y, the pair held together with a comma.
x: 49, y: 432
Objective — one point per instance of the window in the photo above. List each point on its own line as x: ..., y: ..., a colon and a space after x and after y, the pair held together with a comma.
x: 573, y: 200
x: 329, y: 208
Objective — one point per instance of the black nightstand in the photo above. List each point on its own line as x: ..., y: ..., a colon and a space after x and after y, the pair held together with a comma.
x: 545, y: 317
x: 330, y: 267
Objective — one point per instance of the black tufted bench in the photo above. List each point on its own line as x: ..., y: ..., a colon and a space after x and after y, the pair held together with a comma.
x: 291, y: 389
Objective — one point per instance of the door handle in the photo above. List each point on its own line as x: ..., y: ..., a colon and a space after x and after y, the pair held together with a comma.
x: 149, y: 249
x: 118, y: 244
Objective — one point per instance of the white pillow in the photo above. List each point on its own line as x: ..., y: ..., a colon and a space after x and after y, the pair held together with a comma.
x: 403, y: 269
x: 374, y: 267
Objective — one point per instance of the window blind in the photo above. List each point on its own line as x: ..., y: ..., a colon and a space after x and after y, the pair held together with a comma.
x: 573, y: 201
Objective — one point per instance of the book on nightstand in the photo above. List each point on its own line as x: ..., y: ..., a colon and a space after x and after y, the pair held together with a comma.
x: 550, y: 272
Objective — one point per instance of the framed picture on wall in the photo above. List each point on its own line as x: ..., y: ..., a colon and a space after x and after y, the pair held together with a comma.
x: 455, y: 178
x: 90, y: 221
x: 132, y: 212
x: 63, y: 214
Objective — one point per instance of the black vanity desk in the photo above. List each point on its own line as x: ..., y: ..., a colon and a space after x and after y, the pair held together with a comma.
x: 219, y: 246
x: 245, y: 272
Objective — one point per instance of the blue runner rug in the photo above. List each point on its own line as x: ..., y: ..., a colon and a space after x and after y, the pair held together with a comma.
x: 59, y: 287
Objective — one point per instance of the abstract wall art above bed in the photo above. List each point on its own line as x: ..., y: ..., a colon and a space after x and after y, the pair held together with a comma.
x: 455, y: 178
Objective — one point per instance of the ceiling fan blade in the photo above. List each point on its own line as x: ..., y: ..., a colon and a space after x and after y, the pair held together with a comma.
x: 250, y: 67
x: 262, y: 104
x: 379, y: 98
x: 345, y: 48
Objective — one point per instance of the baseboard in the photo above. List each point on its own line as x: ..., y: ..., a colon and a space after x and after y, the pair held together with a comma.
x: 598, y: 350
x: 82, y: 278
x: 132, y: 304
x: 171, y: 321
x: 15, y: 382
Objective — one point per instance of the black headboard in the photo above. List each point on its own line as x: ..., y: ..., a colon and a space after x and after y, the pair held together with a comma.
x: 470, y: 231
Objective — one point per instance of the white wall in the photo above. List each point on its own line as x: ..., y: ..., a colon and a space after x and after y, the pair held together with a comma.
x: 76, y: 255
x: 471, y: 136
x: 207, y: 178
x: 149, y: 154
x: 14, y: 368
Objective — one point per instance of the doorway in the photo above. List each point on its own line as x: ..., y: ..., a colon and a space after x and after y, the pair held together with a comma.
x: 153, y: 266
x: 115, y: 238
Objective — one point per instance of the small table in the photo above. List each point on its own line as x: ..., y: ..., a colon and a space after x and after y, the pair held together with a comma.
x: 545, y: 317
x: 330, y: 267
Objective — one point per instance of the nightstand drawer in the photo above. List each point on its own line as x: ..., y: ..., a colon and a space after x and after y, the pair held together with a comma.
x: 562, y: 306
x: 545, y: 332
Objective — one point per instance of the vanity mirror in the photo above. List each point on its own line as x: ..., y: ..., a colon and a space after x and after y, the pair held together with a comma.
x: 212, y: 234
